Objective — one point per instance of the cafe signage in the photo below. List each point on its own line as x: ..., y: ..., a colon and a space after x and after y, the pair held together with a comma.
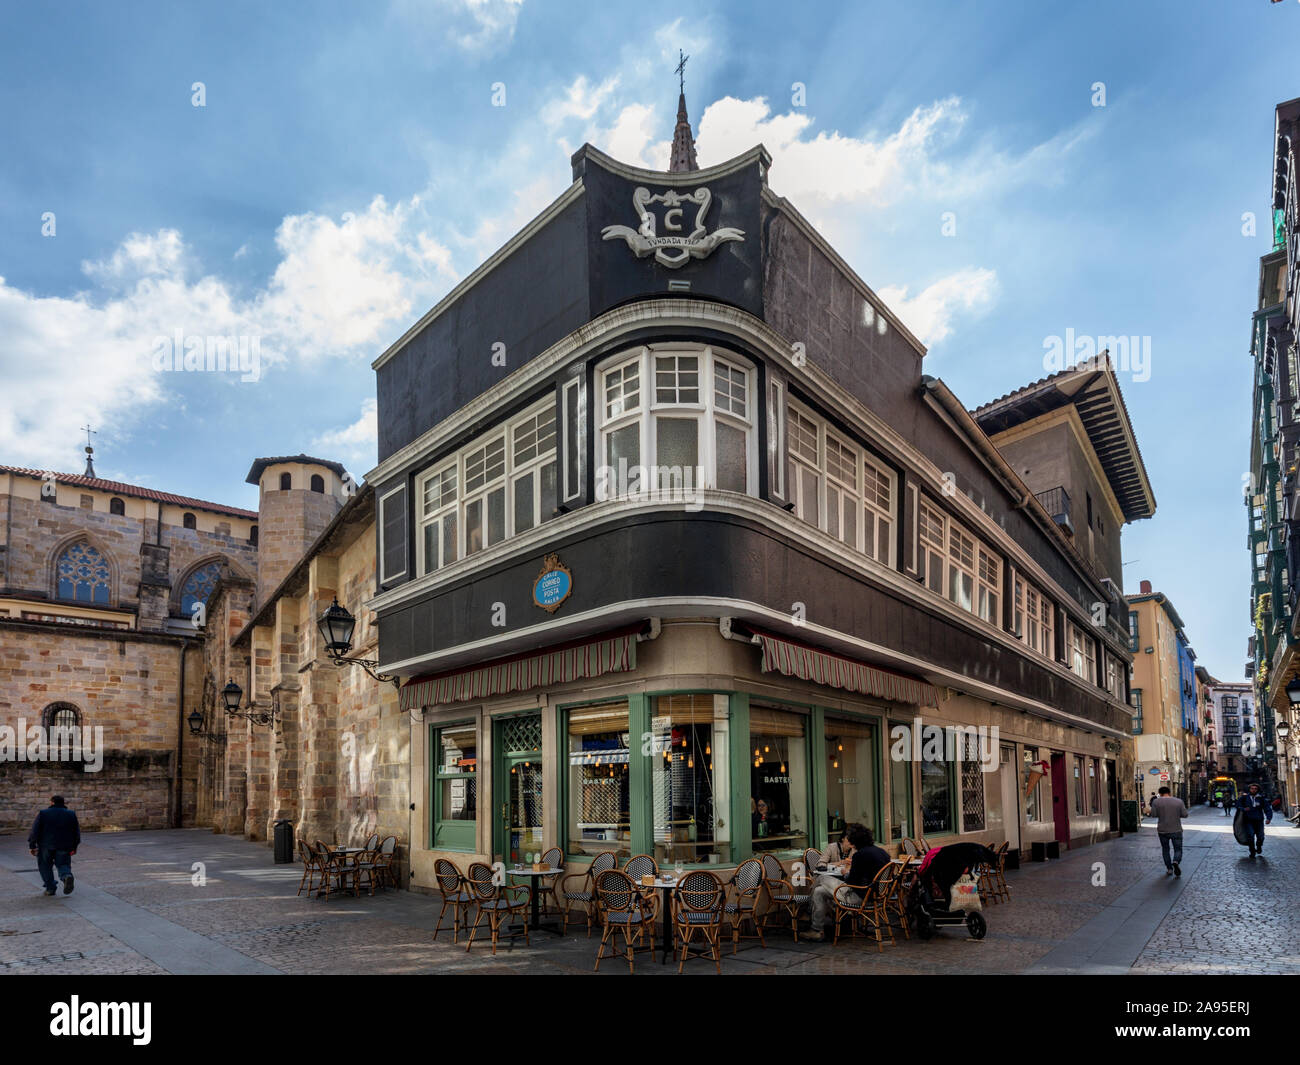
x: 553, y: 585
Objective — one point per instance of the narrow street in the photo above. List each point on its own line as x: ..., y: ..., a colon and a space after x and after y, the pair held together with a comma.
x: 142, y: 906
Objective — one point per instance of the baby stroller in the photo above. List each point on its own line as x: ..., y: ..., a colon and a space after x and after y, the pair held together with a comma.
x: 932, y: 889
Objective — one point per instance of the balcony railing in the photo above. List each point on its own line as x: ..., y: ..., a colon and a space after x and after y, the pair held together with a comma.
x: 1056, y: 501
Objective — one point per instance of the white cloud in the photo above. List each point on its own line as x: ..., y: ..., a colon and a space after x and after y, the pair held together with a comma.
x: 355, y: 445
x: 341, y: 289
x: 930, y: 313
x: 472, y: 25
x: 580, y: 100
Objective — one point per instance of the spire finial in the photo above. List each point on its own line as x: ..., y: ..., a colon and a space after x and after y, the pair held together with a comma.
x: 682, y: 158
x: 90, y: 451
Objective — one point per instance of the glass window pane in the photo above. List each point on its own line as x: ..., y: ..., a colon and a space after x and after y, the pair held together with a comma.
x: 624, y: 454
x: 851, y: 776
x: 936, y: 797
x: 449, y: 538
x: 496, y: 505
x: 901, y: 824
x: 677, y: 443
x: 474, y: 527
x: 778, y: 780
x: 732, y: 469
x: 549, y: 501
x: 689, y: 779
x: 808, y: 489
x: 431, y: 546
x: 599, y: 814
x: 524, y: 503
x: 570, y: 444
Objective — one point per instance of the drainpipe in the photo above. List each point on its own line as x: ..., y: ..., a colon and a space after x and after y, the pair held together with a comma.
x: 180, y: 740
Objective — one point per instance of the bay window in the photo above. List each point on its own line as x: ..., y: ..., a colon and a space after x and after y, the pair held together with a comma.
x: 696, y: 430
x: 958, y: 566
x: 498, y: 486
x: 839, y: 488
x: 1033, y: 618
x: 1079, y: 651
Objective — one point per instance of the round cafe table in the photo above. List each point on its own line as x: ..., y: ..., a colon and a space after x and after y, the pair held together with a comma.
x: 665, y: 884
x: 535, y: 922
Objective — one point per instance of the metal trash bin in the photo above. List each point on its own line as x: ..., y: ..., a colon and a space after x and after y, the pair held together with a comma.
x: 283, y: 841
x: 1128, y: 815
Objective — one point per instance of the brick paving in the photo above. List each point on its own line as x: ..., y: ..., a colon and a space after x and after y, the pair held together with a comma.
x: 238, y: 912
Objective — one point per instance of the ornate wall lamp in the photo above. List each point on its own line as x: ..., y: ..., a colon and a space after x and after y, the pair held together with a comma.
x: 336, y: 627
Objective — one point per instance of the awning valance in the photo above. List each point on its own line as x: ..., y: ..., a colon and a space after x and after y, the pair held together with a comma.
x: 612, y: 653
x: 820, y: 667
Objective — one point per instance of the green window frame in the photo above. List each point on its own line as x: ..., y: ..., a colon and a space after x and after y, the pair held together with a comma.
x: 449, y: 833
x: 1132, y: 630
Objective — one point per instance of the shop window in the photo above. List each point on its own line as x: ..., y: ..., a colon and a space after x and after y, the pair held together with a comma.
x: 1032, y: 788
x: 778, y: 780
x: 1094, y: 785
x: 850, y: 775
x: 972, y: 785
x: 599, y: 803
x: 83, y: 575
x: 455, y: 787
x: 936, y: 796
x: 690, y: 779
x: 1079, y: 786
x: 901, y: 825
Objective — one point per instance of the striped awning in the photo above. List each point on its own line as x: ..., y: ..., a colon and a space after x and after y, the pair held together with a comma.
x: 612, y: 653
x: 806, y: 663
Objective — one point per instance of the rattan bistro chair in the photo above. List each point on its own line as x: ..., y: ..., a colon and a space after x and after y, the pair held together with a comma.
x: 334, y: 869
x: 311, y: 867
x: 451, y: 883
x: 554, y: 858
x: 584, y: 894
x: 698, y: 908
x: 385, y: 861
x: 894, y: 902
x: 869, y: 912
x: 782, y: 895
x: 747, y: 888
x: 993, y: 878
x: 812, y: 858
x: 623, y: 911
x: 909, y: 848
x: 498, y: 904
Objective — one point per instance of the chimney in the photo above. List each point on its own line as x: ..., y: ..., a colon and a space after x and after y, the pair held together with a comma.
x: 1146, y: 587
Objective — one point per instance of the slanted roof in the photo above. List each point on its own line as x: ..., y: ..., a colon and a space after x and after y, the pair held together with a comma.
x: 80, y: 480
x: 260, y: 465
x: 1091, y: 388
x: 1160, y: 599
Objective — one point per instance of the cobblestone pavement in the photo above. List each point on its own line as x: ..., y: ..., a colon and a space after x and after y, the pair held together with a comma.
x: 139, y: 907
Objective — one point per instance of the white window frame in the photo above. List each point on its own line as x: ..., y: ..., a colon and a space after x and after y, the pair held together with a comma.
x: 384, y: 576
x: 1081, y: 652
x: 505, y: 480
x: 1034, y: 618
x: 704, y: 411
x: 949, y: 561
x: 843, y: 494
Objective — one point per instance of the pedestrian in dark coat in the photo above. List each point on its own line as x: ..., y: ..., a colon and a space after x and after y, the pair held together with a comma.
x: 54, y: 839
x: 1255, y: 809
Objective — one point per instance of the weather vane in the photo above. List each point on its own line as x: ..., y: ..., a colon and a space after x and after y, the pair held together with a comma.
x: 681, y: 70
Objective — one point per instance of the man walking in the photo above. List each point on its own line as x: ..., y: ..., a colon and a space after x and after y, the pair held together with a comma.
x: 54, y: 839
x: 1169, y: 813
x: 1255, y: 809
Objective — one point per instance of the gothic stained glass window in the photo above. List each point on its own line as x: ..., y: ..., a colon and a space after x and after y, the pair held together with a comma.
x: 83, y: 575
x: 198, y: 586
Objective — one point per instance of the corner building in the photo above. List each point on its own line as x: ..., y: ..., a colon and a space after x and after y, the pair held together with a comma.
x: 599, y: 651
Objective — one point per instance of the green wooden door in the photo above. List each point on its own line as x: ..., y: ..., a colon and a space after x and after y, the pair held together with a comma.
x: 518, y: 805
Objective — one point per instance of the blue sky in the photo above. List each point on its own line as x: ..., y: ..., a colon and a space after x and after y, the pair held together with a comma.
x: 348, y: 166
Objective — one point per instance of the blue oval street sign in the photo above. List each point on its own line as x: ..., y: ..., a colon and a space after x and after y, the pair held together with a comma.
x: 553, y: 585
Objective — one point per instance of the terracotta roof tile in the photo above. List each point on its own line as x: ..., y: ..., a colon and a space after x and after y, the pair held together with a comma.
x: 118, y: 488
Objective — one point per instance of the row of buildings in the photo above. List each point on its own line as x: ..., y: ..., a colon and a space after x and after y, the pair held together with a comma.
x: 709, y: 568
x: 1272, y: 498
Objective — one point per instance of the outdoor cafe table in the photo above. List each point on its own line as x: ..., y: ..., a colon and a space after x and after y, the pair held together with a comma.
x: 535, y: 921
x: 665, y: 884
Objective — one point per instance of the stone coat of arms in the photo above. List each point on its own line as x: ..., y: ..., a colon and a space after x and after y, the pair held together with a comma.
x: 674, y: 247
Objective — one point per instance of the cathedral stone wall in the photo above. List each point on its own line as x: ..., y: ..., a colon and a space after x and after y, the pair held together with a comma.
x: 127, y: 690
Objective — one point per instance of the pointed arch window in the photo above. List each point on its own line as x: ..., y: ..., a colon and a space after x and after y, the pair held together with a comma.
x: 198, y: 586
x: 83, y: 574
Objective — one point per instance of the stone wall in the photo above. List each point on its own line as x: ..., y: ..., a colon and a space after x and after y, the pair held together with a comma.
x: 126, y: 685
